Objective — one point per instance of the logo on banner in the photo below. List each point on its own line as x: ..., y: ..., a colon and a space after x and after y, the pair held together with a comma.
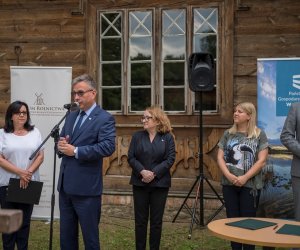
x: 287, y: 85
x: 296, y: 81
x: 39, y: 100
x: 39, y: 107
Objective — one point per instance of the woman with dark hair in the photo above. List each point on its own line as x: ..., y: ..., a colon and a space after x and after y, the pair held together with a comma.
x: 18, y: 140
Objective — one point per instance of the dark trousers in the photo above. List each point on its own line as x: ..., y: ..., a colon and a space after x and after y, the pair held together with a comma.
x: 239, y: 202
x: 148, y: 201
x: 20, y: 237
x: 86, y: 211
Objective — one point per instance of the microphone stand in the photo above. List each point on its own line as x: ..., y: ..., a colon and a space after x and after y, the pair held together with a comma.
x: 55, y: 134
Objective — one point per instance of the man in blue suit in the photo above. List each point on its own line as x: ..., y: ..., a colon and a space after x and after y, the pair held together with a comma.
x: 87, y: 136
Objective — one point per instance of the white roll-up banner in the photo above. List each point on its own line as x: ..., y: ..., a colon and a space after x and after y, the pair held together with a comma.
x: 45, y: 90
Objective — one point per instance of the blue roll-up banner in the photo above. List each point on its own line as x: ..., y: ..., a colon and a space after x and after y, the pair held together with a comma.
x: 278, y: 87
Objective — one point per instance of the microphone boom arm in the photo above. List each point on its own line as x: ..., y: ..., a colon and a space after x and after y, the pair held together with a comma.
x: 53, y: 133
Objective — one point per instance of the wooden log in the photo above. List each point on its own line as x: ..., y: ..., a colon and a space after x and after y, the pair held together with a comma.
x: 10, y: 220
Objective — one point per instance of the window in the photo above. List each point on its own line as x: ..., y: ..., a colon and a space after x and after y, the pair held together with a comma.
x: 140, y: 64
x: 173, y: 56
x: 205, y: 39
x: 111, y: 60
x: 143, y: 58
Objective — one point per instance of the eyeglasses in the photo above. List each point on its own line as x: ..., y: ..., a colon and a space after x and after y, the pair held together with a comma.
x: 146, y: 118
x: 21, y: 113
x: 80, y: 92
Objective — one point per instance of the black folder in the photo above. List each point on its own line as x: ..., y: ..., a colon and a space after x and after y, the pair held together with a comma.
x: 252, y: 224
x: 30, y: 195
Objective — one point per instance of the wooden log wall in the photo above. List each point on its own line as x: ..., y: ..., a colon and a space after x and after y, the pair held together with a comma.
x: 39, y: 33
x: 54, y: 33
x: 263, y: 29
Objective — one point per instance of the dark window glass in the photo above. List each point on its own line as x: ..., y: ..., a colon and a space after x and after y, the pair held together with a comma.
x: 140, y: 99
x: 208, y: 100
x: 140, y: 74
x: 174, y: 99
x: 174, y: 74
x: 111, y: 24
x: 111, y: 75
x: 111, y: 49
x: 111, y: 99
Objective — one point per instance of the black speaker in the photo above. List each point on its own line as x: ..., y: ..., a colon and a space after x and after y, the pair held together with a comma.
x: 201, y: 72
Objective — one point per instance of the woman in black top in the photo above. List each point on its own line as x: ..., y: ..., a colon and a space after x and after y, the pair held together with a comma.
x: 151, y: 155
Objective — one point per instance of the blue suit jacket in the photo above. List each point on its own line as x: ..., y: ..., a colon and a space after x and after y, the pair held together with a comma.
x: 95, y: 140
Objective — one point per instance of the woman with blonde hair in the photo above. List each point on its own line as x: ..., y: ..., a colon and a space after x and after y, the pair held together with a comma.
x: 151, y: 154
x: 243, y: 152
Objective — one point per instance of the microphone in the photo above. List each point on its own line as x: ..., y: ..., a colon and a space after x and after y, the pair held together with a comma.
x: 72, y: 105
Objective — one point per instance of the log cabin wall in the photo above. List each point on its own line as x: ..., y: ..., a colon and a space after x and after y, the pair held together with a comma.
x: 64, y: 33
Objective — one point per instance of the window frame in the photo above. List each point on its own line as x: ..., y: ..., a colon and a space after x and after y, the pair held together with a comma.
x: 225, y: 81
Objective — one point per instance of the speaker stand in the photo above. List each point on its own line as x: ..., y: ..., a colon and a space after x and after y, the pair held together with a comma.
x: 199, y: 191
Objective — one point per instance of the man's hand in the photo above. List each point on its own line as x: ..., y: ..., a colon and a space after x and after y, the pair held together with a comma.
x: 64, y: 146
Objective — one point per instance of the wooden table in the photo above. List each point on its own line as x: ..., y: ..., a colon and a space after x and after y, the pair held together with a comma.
x: 261, y: 237
x: 10, y: 220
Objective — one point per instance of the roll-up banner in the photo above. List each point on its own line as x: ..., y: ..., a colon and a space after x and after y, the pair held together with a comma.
x: 278, y: 87
x: 45, y: 90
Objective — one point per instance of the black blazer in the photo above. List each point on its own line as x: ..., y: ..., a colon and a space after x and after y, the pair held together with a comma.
x: 158, y: 156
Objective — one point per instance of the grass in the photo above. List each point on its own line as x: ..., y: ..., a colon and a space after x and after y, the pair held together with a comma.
x: 118, y: 233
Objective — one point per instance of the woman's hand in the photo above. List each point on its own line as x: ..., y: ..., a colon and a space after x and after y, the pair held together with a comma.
x: 25, y: 176
x: 241, y: 181
x: 23, y: 184
x: 231, y: 178
x: 147, y: 175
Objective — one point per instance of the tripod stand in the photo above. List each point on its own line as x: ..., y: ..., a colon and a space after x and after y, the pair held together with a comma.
x: 200, y: 183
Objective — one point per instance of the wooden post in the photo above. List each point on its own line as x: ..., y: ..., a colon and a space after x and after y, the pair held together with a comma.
x: 10, y: 220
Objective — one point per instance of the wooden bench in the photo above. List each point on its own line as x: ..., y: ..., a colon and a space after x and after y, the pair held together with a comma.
x: 10, y: 220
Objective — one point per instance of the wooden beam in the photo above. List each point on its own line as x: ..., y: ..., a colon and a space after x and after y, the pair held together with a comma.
x: 10, y: 220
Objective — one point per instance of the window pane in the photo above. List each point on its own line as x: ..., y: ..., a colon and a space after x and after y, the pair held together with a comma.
x: 174, y: 99
x: 173, y: 35
x: 173, y: 74
x: 205, y: 43
x: 111, y: 74
x: 111, y: 49
x: 140, y: 74
x: 140, y: 99
x: 111, y: 24
x: 140, y: 48
x: 140, y: 23
x: 111, y: 99
x: 208, y: 100
x: 173, y: 22
x: 173, y: 48
x: 205, y: 20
